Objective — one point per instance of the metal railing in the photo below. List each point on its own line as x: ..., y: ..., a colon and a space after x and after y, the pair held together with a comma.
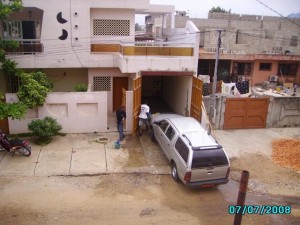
x: 27, y: 46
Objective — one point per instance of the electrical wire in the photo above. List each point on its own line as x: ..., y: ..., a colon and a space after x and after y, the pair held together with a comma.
x: 286, y: 18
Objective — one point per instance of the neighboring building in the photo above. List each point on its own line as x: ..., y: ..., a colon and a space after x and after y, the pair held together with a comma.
x: 256, y: 47
x: 93, y: 42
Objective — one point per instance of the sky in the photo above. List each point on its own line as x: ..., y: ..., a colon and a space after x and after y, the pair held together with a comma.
x: 200, y: 8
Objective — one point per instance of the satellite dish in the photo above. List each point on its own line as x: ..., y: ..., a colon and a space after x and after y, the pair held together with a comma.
x: 60, y: 19
x: 64, y: 35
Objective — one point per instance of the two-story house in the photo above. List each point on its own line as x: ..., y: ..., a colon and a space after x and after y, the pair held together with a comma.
x: 93, y: 42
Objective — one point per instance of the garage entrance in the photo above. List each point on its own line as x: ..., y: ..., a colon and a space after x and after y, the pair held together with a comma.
x: 168, y: 92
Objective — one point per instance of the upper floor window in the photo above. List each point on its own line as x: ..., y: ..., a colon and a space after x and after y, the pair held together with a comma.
x: 265, y: 66
x: 111, y: 27
x: 288, y: 69
x: 18, y: 29
x: 294, y: 41
x: 240, y: 68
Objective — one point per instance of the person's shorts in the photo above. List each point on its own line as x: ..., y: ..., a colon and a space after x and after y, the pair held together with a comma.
x: 143, y: 121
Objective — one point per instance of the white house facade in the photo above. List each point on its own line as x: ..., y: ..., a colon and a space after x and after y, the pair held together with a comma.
x: 93, y: 42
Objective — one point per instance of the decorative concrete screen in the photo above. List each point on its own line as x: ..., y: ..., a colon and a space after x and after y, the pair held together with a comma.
x: 111, y: 27
x: 102, y: 83
x: 77, y: 112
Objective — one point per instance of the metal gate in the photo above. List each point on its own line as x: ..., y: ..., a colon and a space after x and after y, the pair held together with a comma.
x: 196, y: 100
x: 244, y: 113
x: 137, y: 97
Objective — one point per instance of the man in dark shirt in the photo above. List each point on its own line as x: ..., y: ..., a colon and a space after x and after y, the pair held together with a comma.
x: 121, y: 116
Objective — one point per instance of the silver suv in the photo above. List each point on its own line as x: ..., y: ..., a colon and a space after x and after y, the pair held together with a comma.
x: 195, y: 156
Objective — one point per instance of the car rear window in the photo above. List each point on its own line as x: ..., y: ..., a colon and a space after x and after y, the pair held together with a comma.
x: 209, y: 157
x: 182, y: 149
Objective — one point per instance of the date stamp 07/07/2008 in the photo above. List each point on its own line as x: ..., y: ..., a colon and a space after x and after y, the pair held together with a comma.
x: 259, y: 209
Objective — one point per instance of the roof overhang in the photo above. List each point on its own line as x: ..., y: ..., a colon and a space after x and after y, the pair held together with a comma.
x: 156, y: 9
x: 250, y: 57
x: 167, y: 73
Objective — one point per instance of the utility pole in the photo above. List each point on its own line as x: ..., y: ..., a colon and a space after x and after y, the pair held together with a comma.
x: 212, y: 112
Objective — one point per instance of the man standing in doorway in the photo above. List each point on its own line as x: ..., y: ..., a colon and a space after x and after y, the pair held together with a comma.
x: 144, y: 116
x: 121, y: 116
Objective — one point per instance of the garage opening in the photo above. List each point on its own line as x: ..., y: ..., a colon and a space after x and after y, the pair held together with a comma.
x: 167, y: 93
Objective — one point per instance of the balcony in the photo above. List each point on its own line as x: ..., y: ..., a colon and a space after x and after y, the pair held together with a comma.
x: 27, y: 46
x: 167, y: 49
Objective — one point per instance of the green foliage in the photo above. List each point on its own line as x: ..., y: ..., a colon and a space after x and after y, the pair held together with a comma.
x: 9, y: 67
x: 218, y: 9
x: 7, y: 9
x: 8, y: 44
x: 34, y: 89
x: 138, y: 27
x: 81, y: 87
x: 45, y: 128
x: 13, y: 110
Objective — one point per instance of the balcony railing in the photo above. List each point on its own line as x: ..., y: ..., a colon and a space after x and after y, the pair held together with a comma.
x: 27, y: 46
x: 145, y: 49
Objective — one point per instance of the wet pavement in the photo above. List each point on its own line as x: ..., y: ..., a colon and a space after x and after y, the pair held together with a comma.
x: 90, y: 154
x: 87, y: 154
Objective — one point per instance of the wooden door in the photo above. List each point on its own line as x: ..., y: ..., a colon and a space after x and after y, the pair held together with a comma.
x: 137, y: 98
x: 245, y: 113
x: 196, y: 101
x: 119, y: 83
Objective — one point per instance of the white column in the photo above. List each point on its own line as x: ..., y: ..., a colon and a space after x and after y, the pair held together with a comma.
x: 164, y: 25
x: 173, y: 20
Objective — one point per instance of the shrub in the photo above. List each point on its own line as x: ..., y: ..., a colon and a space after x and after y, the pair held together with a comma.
x: 80, y: 87
x: 45, y: 128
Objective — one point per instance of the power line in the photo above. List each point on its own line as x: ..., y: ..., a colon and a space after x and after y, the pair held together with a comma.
x: 286, y: 18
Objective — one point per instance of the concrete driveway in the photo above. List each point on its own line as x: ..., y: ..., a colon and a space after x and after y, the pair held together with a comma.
x: 87, y: 154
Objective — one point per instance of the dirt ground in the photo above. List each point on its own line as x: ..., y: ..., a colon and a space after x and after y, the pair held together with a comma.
x: 140, y: 198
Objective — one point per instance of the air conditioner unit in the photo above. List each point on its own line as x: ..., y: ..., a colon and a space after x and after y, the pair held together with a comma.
x: 241, y: 78
x: 273, y: 78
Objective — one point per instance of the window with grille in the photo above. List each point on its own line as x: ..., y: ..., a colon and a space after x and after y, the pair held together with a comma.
x: 287, y: 69
x: 265, y: 66
x: 102, y: 83
x: 294, y: 41
x: 111, y: 27
x: 13, y: 83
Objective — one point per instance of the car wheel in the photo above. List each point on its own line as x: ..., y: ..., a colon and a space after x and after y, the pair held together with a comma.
x: 174, y: 172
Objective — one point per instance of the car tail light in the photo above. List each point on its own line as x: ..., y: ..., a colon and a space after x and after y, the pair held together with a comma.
x: 187, y: 176
x: 228, y: 171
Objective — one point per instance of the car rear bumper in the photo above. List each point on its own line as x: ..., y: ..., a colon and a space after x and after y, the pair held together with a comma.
x: 207, y: 182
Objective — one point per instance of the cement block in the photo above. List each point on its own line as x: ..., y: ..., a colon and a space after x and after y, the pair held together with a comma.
x: 53, y: 162
x: 92, y: 161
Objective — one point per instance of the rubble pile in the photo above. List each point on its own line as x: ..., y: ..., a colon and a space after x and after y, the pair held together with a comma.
x: 286, y: 153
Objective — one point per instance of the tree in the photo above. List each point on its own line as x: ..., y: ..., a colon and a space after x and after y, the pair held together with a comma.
x: 218, y: 9
x: 34, y: 86
x: 8, y: 8
x: 138, y: 27
x: 13, y: 110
